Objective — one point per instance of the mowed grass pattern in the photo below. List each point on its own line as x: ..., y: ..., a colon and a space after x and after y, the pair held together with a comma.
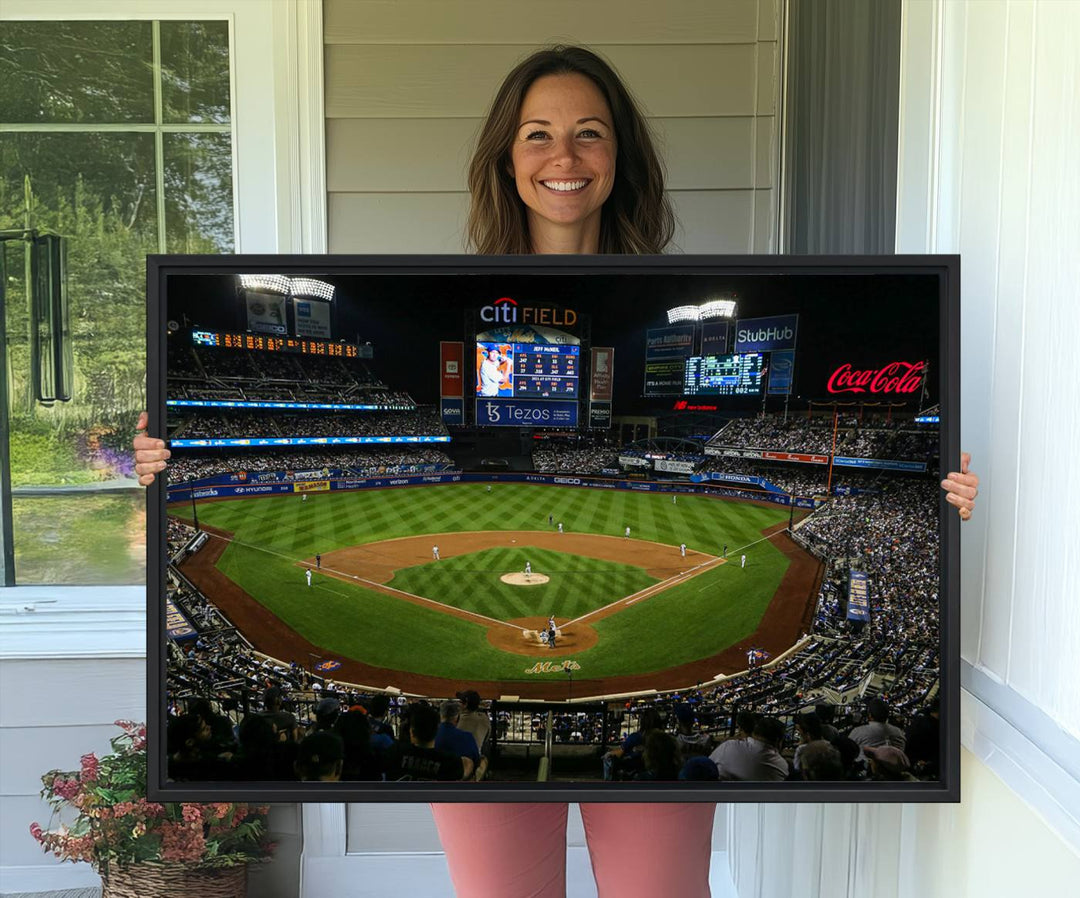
x: 690, y: 621
x: 576, y: 586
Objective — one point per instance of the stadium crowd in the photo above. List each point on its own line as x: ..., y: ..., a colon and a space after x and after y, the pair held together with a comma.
x: 364, y: 463
x: 424, y: 421
x: 873, y: 437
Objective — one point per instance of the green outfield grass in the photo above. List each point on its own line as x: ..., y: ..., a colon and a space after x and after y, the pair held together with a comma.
x: 687, y: 622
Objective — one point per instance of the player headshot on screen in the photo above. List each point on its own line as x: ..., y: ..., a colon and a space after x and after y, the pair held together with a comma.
x: 565, y: 164
x: 493, y: 376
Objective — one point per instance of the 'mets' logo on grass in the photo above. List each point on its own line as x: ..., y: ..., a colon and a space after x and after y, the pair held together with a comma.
x: 507, y: 311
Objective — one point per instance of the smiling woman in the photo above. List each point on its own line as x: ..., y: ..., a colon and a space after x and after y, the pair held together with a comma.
x: 565, y: 164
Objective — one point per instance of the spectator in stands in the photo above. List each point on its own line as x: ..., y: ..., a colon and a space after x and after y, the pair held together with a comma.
x: 273, y: 708
x: 745, y: 721
x: 473, y: 720
x: 820, y: 761
x: 419, y: 759
x: 888, y: 764
x: 809, y: 729
x: 450, y: 738
x: 327, y: 712
x: 699, y: 768
x: 826, y: 714
x: 923, y: 741
x: 660, y: 757
x: 690, y: 741
x: 192, y: 754
x: 756, y: 759
x: 320, y: 758
x: 360, y: 761
x: 878, y: 731
x: 625, y: 761
x: 264, y: 753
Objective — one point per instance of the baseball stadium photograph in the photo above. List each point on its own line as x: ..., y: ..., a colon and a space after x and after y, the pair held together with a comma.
x: 562, y: 527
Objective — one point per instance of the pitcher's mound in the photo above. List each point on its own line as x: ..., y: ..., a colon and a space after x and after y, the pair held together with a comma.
x: 519, y: 579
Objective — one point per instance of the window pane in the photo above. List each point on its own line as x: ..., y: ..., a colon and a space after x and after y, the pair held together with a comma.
x: 195, y: 72
x: 198, y: 193
x: 81, y: 540
x: 76, y: 72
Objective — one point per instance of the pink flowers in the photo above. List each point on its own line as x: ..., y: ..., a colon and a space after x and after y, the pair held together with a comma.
x: 181, y: 842
x: 114, y: 823
x: 65, y: 788
x: 90, y: 766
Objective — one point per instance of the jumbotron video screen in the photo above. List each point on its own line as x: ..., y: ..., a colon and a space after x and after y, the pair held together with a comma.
x: 436, y: 523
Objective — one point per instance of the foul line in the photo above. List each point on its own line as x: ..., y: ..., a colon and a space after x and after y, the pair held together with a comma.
x: 380, y: 587
x: 649, y: 590
x: 748, y: 545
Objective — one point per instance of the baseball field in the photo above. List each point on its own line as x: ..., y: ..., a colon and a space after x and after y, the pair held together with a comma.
x: 631, y: 612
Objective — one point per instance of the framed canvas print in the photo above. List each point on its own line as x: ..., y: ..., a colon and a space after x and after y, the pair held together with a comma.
x: 554, y: 528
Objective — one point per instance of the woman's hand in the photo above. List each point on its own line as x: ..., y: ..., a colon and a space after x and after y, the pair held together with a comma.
x: 150, y: 453
x: 961, y: 487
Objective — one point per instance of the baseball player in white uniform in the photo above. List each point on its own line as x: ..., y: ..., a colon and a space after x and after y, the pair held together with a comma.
x: 743, y: 564
x: 528, y: 570
x: 307, y: 576
x: 682, y: 549
x: 435, y: 552
x: 627, y: 533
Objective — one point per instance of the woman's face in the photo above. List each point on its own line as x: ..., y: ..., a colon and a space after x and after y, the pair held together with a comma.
x: 563, y: 154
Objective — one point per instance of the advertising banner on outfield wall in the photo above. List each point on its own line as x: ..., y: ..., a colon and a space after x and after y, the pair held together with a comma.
x: 602, y: 370
x: 881, y: 464
x: 672, y: 466
x: 311, y: 486
x: 634, y: 461
x: 451, y: 369
x: 796, y: 456
x: 858, y: 607
x: 728, y: 452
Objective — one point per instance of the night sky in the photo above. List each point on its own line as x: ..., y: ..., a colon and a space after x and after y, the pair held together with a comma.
x: 867, y: 320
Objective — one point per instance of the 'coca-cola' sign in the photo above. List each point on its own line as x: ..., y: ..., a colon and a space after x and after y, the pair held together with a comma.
x: 895, y: 377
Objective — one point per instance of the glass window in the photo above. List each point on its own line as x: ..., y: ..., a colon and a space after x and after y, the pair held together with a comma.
x: 118, y: 137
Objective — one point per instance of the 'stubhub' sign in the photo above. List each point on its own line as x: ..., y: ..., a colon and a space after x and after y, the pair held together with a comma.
x: 509, y: 311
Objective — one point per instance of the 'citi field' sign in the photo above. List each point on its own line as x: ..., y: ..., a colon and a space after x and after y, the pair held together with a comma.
x: 507, y: 311
x: 895, y: 377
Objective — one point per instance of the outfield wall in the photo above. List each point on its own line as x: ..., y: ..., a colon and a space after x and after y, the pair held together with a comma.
x: 224, y: 490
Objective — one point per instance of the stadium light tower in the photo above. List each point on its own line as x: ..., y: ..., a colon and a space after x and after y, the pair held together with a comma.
x: 683, y: 313
x: 310, y: 288
x: 717, y: 308
x: 265, y: 283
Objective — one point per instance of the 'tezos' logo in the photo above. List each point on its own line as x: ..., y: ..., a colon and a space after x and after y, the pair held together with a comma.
x: 896, y: 377
x: 493, y: 412
x: 506, y: 311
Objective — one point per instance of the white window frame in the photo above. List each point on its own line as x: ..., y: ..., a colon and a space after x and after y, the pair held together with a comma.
x: 279, y: 199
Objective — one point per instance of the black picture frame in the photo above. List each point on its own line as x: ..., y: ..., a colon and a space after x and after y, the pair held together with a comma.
x: 945, y: 267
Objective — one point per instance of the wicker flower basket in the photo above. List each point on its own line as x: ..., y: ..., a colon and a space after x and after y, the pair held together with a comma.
x: 148, y: 880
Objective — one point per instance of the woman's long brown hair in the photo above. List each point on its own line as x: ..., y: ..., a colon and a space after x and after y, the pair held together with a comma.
x: 637, y: 216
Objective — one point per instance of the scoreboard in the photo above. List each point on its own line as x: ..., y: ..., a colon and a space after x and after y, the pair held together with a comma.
x: 739, y: 374
x: 532, y: 370
x: 271, y: 343
x: 542, y: 372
